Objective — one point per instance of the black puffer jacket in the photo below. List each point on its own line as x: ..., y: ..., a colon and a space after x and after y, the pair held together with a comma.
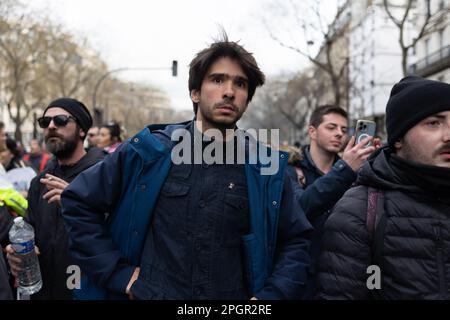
x: 50, y: 233
x: 415, y: 248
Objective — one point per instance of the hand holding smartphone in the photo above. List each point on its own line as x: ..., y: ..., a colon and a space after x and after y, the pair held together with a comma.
x: 356, y: 154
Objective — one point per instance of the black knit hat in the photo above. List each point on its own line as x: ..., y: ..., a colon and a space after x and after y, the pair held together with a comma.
x: 75, y: 108
x: 412, y: 100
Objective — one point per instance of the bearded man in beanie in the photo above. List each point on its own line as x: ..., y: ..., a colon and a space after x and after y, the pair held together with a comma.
x: 397, y: 220
x: 65, y: 123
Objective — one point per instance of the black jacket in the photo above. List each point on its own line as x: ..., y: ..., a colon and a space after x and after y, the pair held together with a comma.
x: 50, y: 233
x: 414, y: 240
x: 320, y: 194
x: 6, y: 221
x: 5, y: 289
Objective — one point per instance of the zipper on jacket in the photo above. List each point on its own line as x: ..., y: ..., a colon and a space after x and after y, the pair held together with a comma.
x: 440, y: 261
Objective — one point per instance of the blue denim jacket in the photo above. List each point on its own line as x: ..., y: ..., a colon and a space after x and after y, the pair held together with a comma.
x: 127, y: 184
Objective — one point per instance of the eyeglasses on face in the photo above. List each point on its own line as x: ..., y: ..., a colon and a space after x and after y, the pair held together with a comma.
x: 60, y: 121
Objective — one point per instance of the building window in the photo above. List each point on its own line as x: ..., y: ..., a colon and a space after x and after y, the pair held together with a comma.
x: 441, y: 4
x: 427, y: 47
x: 441, y: 38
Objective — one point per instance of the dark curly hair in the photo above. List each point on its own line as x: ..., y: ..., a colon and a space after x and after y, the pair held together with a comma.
x: 219, y: 49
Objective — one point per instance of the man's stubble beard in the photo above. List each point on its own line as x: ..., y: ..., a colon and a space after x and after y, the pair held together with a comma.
x: 208, y: 116
x: 65, y: 147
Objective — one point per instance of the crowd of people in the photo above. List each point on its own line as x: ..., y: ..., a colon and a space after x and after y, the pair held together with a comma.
x: 142, y: 226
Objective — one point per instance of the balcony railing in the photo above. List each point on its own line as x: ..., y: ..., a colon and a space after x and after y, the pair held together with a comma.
x: 432, y: 63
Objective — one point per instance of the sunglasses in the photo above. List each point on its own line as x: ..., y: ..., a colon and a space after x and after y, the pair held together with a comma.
x: 60, y: 121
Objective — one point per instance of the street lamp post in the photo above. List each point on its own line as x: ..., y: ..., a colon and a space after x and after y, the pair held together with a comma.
x: 174, y: 69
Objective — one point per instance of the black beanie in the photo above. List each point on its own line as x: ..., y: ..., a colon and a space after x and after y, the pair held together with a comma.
x: 412, y: 100
x: 76, y: 109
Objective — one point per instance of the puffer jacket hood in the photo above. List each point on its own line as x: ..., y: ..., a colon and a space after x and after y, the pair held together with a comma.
x: 377, y: 173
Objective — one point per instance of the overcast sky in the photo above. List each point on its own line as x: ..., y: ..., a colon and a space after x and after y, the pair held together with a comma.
x: 152, y: 33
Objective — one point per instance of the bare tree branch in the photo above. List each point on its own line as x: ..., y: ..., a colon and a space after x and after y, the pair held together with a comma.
x: 424, y: 27
x: 390, y: 15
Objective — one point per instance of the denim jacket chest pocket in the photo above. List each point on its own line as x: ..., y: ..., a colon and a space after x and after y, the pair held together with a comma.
x: 172, y: 204
x: 235, y: 218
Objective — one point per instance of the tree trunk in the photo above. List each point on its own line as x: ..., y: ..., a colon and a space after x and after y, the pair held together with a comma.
x: 336, y: 90
x: 18, y: 121
x: 18, y: 134
x: 405, y: 61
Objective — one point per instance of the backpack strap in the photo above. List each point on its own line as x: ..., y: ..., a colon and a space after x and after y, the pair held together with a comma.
x: 375, y: 213
x: 376, y: 223
x: 372, y: 212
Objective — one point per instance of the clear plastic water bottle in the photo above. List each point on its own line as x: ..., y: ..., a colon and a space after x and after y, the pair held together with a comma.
x: 21, y: 236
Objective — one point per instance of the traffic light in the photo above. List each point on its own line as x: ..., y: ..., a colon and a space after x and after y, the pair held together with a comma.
x: 174, y: 68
